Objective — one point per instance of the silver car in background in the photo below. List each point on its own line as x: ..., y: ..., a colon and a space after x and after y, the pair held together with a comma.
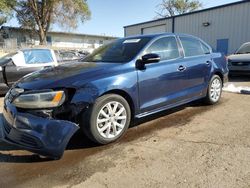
x: 239, y: 62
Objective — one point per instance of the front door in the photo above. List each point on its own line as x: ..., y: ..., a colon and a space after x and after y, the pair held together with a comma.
x: 162, y: 83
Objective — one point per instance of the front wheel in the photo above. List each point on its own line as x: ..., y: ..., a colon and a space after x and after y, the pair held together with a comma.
x: 214, y: 90
x: 108, y: 119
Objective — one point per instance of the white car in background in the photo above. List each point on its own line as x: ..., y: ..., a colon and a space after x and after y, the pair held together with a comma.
x: 15, y: 65
x: 239, y: 62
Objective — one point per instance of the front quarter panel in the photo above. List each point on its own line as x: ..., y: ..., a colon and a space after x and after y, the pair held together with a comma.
x: 122, y: 78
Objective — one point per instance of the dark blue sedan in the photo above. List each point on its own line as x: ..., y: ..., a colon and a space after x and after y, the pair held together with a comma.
x: 128, y: 78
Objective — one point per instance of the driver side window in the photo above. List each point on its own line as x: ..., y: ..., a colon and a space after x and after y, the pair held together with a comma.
x: 166, y: 47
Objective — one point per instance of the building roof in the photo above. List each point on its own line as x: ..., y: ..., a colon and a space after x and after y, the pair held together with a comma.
x: 63, y: 33
x: 194, y: 12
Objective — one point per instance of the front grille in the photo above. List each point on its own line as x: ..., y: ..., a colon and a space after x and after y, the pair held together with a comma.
x: 29, y: 141
x: 241, y: 63
x: 7, y: 128
x: 25, y: 139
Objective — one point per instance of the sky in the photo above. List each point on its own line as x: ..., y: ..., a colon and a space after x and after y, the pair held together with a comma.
x: 110, y: 16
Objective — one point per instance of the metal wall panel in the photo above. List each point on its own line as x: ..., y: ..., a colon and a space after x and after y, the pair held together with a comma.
x: 230, y: 23
x: 138, y: 30
x: 154, y: 29
x: 227, y: 22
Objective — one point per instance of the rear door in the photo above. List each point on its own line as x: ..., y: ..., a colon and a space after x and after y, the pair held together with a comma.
x: 199, y: 63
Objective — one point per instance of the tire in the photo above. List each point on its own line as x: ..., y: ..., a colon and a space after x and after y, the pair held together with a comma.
x: 214, y: 90
x: 112, y: 125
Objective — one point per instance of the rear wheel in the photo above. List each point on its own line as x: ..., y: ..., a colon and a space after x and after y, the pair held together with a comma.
x: 108, y: 119
x: 214, y: 90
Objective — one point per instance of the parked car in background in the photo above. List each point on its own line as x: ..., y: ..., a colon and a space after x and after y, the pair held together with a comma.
x: 83, y: 53
x: 128, y: 78
x: 70, y: 55
x: 15, y: 65
x: 239, y: 62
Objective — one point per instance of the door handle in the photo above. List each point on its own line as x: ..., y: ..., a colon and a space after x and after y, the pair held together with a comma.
x: 208, y: 63
x: 182, y: 68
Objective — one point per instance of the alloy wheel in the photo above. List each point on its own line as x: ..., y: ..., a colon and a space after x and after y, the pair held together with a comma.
x: 111, y: 120
x: 215, y: 90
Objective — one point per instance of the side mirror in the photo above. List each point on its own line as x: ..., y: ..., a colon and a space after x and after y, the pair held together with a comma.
x: 150, y: 58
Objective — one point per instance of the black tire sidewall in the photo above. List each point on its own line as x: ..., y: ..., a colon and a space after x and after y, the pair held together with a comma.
x: 100, y: 102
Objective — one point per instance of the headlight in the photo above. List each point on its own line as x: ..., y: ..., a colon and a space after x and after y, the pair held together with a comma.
x: 40, y: 100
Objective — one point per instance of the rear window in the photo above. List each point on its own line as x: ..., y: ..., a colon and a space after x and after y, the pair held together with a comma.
x: 191, y: 46
x: 38, y: 56
x: 166, y: 47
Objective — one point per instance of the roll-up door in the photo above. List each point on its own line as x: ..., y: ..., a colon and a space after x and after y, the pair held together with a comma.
x: 154, y: 29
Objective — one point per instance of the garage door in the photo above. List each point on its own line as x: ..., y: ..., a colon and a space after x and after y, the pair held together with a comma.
x: 155, y: 29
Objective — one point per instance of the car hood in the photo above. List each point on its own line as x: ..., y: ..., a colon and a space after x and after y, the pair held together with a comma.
x: 239, y: 57
x: 66, y: 75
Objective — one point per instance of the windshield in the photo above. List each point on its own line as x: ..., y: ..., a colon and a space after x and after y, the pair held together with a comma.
x: 120, y: 51
x: 244, y: 49
x: 38, y: 56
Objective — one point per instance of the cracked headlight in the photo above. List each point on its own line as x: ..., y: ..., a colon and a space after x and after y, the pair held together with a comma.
x: 40, y: 100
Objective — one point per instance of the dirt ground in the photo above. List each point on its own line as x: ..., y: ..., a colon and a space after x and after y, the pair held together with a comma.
x: 190, y: 146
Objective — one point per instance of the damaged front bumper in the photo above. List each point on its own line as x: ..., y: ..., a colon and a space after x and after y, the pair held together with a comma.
x: 44, y: 136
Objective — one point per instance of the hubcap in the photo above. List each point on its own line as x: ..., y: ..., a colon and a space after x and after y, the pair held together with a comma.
x: 215, y: 90
x: 111, y: 119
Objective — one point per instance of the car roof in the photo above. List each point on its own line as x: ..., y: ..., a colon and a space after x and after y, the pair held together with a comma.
x: 159, y: 35
x: 246, y: 43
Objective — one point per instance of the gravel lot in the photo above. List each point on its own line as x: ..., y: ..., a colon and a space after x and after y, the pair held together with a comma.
x: 190, y: 146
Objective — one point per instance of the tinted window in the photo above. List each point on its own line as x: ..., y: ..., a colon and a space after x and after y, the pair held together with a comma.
x: 38, y: 56
x: 244, y: 49
x: 191, y: 46
x: 166, y: 47
x: 121, y: 50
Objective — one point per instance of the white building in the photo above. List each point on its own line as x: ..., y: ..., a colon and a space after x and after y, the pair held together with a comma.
x: 23, y: 37
x: 224, y: 27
